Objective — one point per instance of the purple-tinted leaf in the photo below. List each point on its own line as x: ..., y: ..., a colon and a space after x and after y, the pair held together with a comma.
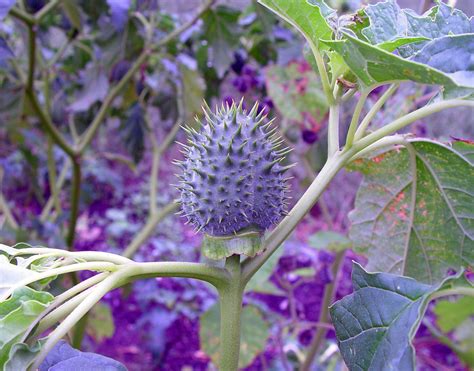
x: 5, y: 6
x: 119, y: 12
x: 134, y: 129
x: 64, y: 358
x: 95, y: 88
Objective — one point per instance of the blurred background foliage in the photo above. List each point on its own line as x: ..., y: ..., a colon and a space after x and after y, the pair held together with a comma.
x: 235, y: 49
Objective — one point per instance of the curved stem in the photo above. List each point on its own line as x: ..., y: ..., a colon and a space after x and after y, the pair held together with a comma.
x: 373, y: 111
x: 403, y: 121
x: 83, y: 255
x: 322, y: 73
x: 467, y: 291
x: 91, y: 266
x: 50, y: 316
x: 99, y: 291
x: 355, y: 118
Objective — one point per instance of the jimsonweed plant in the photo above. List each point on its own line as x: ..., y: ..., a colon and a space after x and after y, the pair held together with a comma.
x: 413, y: 215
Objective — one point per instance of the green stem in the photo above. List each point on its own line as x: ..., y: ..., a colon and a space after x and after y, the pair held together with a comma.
x: 75, y: 196
x: 373, y: 111
x: 46, y: 9
x: 99, y: 291
x: 467, y: 291
x: 328, y: 298
x: 47, y: 124
x: 322, y: 73
x: 333, y: 125
x: 22, y: 16
x: 230, y: 299
x: 403, y: 121
x: 355, y: 118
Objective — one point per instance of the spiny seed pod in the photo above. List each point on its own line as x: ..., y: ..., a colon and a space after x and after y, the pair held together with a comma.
x: 232, y: 179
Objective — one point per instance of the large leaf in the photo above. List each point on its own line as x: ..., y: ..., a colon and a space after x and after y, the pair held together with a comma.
x: 310, y: 17
x: 16, y: 315
x: 434, y: 48
x: 296, y: 92
x: 377, y: 322
x: 253, y: 339
x: 414, y: 213
x: 388, y: 22
x: 221, y: 32
x: 374, y: 65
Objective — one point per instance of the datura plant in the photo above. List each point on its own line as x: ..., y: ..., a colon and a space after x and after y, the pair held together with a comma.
x: 414, y: 212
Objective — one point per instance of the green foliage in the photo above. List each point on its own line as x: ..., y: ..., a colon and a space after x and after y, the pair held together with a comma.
x: 375, y: 325
x: 253, y: 339
x: 311, y: 17
x: 16, y: 315
x: 405, y: 198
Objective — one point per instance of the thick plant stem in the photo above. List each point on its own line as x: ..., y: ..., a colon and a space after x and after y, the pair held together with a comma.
x: 329, y: 293
x: 230, y: 297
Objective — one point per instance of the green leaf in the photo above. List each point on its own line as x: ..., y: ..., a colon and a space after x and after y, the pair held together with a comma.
x: 466, y: 148
x: 21, y: 356
x: 296, y: 92
x: 16, y: 315
x: 328, y: 240
x: 222, y: 33
x: 451, y: 314
x: 73, y: 13
x: 253, y: 339
x: 375, y: 325
x: 260, y: 281
x: 101, y: 322
x: 374, y: 65
x: 309, y: 17
x: 194, y: 88
x: 401, y: 205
